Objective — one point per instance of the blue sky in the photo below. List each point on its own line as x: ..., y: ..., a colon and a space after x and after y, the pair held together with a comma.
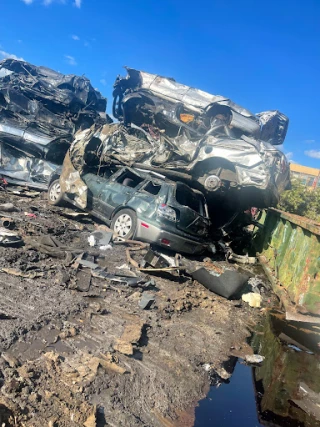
x: 263, y: 55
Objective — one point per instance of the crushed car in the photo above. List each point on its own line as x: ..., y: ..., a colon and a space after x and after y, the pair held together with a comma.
x: 228, y: 151
x: 40, y: 111
x: 137, y: 205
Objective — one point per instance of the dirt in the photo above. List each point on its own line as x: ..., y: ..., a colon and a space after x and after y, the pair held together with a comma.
x: 77, y: 350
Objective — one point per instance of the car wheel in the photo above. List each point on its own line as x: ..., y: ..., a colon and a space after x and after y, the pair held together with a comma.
x: 55, y: 194
x: 124, y: 223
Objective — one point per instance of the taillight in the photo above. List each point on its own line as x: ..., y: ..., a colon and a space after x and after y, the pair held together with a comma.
x: 166, y: 212
x: 165, y: 242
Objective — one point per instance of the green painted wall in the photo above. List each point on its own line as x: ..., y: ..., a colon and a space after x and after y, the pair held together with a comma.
x: 291, y: 245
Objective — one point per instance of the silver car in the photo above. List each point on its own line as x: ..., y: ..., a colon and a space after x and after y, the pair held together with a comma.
x: 228, y: 151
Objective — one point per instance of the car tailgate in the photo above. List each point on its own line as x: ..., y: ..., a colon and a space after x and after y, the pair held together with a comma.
x: 191, y: 222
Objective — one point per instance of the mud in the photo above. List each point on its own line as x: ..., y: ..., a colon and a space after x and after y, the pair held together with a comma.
x: 77, y: 350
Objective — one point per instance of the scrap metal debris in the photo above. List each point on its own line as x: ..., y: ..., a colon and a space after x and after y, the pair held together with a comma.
x: 9, y: 238
x: 146, y: 301
x: 40, y: 111
x: 227, y: 284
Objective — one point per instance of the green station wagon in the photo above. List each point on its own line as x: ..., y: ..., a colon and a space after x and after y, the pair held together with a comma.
x: 142, y: 206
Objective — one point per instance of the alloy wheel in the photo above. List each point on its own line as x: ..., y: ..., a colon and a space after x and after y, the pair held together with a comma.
x: 123, y: 225
x: 55, y: 192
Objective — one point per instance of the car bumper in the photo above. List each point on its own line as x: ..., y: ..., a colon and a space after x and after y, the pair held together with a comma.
x: 152, y: 234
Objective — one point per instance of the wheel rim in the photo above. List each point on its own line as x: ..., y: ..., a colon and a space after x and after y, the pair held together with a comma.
x: 123, y: 225
x: 55, y: 192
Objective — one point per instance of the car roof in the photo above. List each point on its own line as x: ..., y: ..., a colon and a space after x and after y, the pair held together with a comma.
x: 152, y: 176
x: 158, y: 179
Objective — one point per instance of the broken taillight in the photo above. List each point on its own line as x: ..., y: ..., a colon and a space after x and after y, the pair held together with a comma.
x: 166, y: 212
x: 165, y: 242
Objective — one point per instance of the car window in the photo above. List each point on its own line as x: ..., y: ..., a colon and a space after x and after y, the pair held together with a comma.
x: 187, y: 197
x: 129, y: 179
x: 152, y: 188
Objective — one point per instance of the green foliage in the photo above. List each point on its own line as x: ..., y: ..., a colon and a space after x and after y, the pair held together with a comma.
x: 301, y: 201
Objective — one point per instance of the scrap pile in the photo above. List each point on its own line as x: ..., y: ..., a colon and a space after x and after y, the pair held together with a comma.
x: 40, y: 111
x: 206, y: 141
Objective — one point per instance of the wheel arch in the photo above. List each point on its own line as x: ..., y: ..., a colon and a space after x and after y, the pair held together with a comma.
x: 214, y: 163
x: 120, y: 208
x: 54, y: 177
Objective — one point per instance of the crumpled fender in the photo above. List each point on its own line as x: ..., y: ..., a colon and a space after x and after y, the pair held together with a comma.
x: 72, y: 185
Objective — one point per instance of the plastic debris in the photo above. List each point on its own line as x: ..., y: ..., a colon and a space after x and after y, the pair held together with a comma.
x: 100, y: 238
x: 146, y: 300
x: 254, y: 359
x: 253, y: 299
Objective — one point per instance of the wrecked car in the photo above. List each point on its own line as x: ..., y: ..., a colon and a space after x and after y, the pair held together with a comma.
x: 40, y: 111
x: 228, y: 151
x: 137, y: 205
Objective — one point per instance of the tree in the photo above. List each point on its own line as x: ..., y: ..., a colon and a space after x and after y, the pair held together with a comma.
x: 301, y: 201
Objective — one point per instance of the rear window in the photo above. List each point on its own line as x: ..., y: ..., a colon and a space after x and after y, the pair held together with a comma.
x: 185, y: 196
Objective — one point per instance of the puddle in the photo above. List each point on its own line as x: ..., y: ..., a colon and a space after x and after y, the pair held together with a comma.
x: 283, y: 392
x: 230, y: 404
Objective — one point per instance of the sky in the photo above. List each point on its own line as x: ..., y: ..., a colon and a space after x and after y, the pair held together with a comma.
x: 262, y: 55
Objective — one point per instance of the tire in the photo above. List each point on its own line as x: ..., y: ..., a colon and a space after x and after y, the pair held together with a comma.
x: 124, y: 223
x: 55, y: 195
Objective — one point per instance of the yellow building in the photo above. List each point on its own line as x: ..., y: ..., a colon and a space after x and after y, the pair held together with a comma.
x: 310, y: 177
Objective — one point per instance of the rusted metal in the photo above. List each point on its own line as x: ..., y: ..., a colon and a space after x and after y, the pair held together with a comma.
x: 289, y: 250
x: 306, y: 223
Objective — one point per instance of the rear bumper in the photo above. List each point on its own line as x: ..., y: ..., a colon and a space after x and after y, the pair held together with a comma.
x: 153, y: 234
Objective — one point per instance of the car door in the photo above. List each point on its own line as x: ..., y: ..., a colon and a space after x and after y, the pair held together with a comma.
x: 118, y: 191
x: 95, y: 183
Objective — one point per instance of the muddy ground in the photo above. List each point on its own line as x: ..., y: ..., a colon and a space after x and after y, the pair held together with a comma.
x: 77, y: 350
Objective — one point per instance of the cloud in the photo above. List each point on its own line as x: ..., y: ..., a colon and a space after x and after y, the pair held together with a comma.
x: 87, y: 44
x: 75, y: 37
x: 48, y: 2
x: 70, y: 60
x: 5, y: 55
x: 45, y: 2
x: 315, y: 154
x: 309, y: 141
x: 289, y: 156
x: 77, y: 3
x: 103, y: 82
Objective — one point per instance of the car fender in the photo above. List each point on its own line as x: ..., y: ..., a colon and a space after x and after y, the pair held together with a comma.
x: 119, y: 208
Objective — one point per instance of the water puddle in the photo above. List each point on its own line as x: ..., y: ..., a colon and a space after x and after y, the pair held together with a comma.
x: 283, y: 392
x: 231, y: 404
